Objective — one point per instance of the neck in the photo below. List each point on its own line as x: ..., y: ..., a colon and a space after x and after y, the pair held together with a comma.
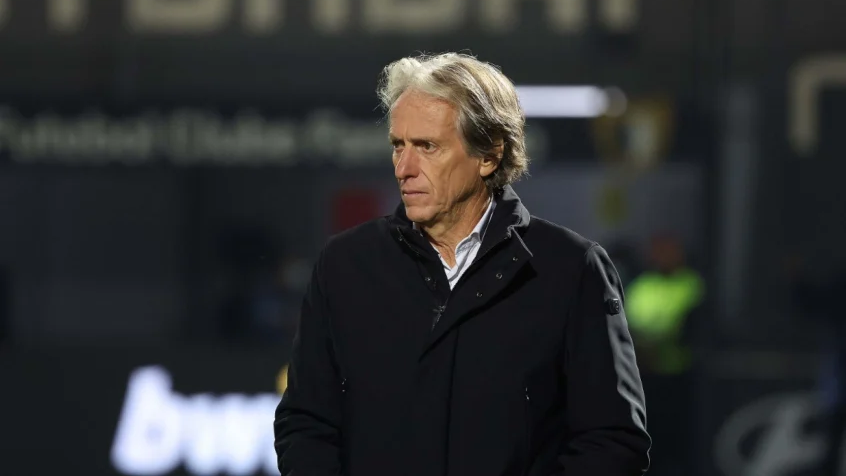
x: 447, y: 233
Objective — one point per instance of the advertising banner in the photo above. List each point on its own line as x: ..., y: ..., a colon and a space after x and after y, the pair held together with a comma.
x: 283, y: 49
x: 762, y: 413
x: 210, y: 136
x: 188, y: 411
x: 209, y: 411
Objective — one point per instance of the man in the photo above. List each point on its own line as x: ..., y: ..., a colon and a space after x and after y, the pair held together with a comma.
x: 661, y: 302
x: 461, y: 336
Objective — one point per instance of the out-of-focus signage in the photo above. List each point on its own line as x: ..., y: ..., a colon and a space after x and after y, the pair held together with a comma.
x: 162, y: 411
x: 330, y: 17
x: 160, y: 430
x: 771, y: 436
x: 760, y: 413
x: 279, y: 51
x: 808, y: 79
x: 194, y: 136
x: 641, y: 137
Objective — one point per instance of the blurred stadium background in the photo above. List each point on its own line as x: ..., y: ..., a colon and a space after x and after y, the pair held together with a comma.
x: 169, y: 169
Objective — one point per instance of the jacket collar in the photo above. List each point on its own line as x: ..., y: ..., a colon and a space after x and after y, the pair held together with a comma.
x: 509, y: 215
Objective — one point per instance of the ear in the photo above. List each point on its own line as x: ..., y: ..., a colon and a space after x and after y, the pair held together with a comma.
x: 490, y: 162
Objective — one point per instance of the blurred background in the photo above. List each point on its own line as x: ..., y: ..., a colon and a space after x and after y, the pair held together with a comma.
x: 170, y: 168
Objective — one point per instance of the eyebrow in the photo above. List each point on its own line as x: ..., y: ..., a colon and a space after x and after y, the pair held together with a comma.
x: 394, y: 139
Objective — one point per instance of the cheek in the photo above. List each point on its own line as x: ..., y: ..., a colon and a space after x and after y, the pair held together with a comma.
x: 432, y: 172
x: 465, y: 175
x: 448, y: 176
x: 451, y: 182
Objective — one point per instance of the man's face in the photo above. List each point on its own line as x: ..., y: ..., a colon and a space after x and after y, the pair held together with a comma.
x: 431, y: 163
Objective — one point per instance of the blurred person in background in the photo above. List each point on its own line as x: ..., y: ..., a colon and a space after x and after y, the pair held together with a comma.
x: 460, y: 335
x: 821, y: 298
x: 265, y: 289
x: 661, y: 302
x: 5, y: 307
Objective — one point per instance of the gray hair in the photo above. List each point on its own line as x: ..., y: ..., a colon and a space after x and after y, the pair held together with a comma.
x: 488, y: 108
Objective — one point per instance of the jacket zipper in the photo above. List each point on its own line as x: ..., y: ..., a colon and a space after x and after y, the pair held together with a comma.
x: 442, y: 308
x: 438, y: 313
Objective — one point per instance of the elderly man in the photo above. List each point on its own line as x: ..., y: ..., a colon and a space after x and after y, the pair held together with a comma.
x: 461, y: 336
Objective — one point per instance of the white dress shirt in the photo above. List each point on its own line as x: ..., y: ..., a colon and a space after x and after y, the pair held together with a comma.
x: 468, y: 248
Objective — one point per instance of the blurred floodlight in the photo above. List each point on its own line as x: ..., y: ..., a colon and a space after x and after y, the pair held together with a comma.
x: 570, y: 101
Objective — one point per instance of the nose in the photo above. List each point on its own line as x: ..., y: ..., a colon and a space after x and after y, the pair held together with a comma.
x: 408, y: 165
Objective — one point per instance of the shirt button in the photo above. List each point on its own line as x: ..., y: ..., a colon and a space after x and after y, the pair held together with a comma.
x: 498, y: 275
x: 514, y: 259
x: 479, y: 294
x: 427, y: 279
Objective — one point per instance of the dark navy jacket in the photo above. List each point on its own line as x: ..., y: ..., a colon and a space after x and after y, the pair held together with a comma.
x: 525, y: 368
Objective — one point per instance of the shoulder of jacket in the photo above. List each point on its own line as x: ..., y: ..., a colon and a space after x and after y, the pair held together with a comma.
x: 355, y: 239
x: 544, y: 233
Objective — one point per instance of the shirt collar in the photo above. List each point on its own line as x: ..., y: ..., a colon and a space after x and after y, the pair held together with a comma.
x: 479, y: 231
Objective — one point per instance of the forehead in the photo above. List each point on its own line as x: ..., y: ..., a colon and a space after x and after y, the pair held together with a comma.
x: 416, y: 113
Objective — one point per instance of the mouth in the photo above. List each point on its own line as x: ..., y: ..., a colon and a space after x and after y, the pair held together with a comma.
x: 412, y: 193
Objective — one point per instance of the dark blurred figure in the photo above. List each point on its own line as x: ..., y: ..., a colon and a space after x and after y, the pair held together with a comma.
x: 5, y: 307
x: 661, y: 303
x: 821, y: 298
x: 264, y: 294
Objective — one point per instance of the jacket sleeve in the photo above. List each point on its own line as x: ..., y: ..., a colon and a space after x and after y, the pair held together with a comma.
x: 307, y: 426
x: 604, y: 396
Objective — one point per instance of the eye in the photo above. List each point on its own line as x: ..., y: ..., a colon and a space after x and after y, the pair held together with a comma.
x: 428, y: 147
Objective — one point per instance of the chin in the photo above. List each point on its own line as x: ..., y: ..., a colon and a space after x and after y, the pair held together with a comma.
x: 417, y: 214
